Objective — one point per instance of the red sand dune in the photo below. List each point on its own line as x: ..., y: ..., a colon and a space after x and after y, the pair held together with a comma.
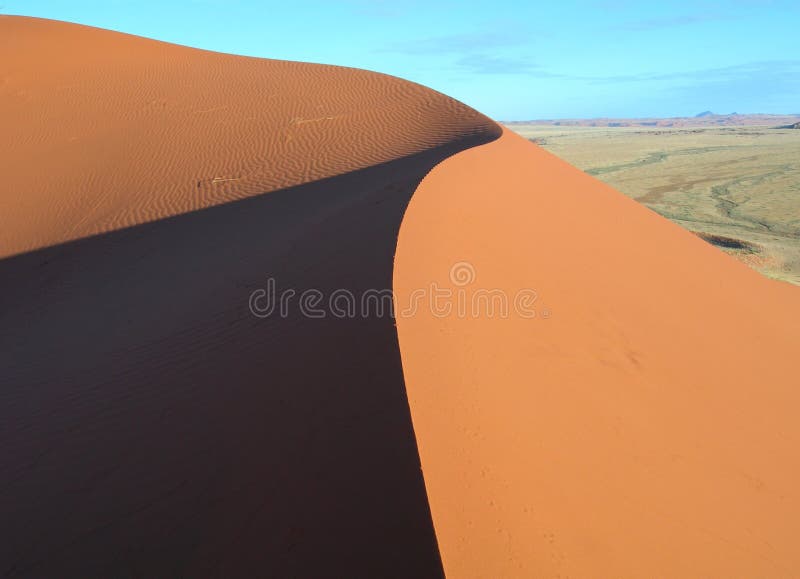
x: 129, y: 130
x: 647, y: 427
x: 150, y: 425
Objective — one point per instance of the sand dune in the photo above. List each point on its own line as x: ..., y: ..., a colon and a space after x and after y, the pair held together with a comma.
x: 643, y: 424
x: 129, y: 130
x: 150, y: 425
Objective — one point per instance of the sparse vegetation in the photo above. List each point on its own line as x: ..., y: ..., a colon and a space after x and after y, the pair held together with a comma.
x: 736, y: 187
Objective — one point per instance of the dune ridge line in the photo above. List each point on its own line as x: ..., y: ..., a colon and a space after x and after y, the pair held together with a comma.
x: 151, y: 424
x: 641, y: 421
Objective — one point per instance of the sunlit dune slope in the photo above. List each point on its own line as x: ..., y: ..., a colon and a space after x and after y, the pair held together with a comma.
x: 150, y: 424
x: 642, y: 424
x: 638, y: 420
x: 103, y: 130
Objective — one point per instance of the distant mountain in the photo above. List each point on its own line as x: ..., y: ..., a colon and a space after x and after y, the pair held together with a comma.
x: 701, y: 120
x: 704, y: 114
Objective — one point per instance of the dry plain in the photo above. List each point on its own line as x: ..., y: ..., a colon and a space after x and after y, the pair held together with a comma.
x: 736, y: 186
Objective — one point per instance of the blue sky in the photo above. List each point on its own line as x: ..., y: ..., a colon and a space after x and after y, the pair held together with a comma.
x: 512, y: 59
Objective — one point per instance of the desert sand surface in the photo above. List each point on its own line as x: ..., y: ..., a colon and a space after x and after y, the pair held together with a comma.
x: 642, y: 424
x: 150, y: 425
x: 130, y: 130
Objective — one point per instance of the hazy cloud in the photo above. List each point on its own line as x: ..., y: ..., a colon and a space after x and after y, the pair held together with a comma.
x: 475, y: 52
x: 386, y: 8
x: 456, y: 43
x: 789, y: 68
x: 489, y: 64
x: 684, y: 20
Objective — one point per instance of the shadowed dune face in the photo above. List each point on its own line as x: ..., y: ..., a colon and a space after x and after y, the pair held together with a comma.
x: 643, y: 423
x: 151, y: 425
x: 104, y: 130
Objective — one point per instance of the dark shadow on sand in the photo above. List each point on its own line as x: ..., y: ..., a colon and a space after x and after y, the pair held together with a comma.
x: 150, y: 426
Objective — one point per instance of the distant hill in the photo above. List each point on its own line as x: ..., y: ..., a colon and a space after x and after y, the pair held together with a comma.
x: 704, y: 119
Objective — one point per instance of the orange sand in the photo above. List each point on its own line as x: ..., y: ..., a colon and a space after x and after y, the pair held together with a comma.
x: 150, y: 425
x: 643, y: 424
x: 103, y: 130
x: 646, y: 428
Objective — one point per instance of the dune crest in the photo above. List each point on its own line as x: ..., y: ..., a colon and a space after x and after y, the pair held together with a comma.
x: 103, y: 130
x: 152, y: 425
x: 643, y: 423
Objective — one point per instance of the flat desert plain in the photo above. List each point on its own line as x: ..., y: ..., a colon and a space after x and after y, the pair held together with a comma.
x: 736, y: 186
